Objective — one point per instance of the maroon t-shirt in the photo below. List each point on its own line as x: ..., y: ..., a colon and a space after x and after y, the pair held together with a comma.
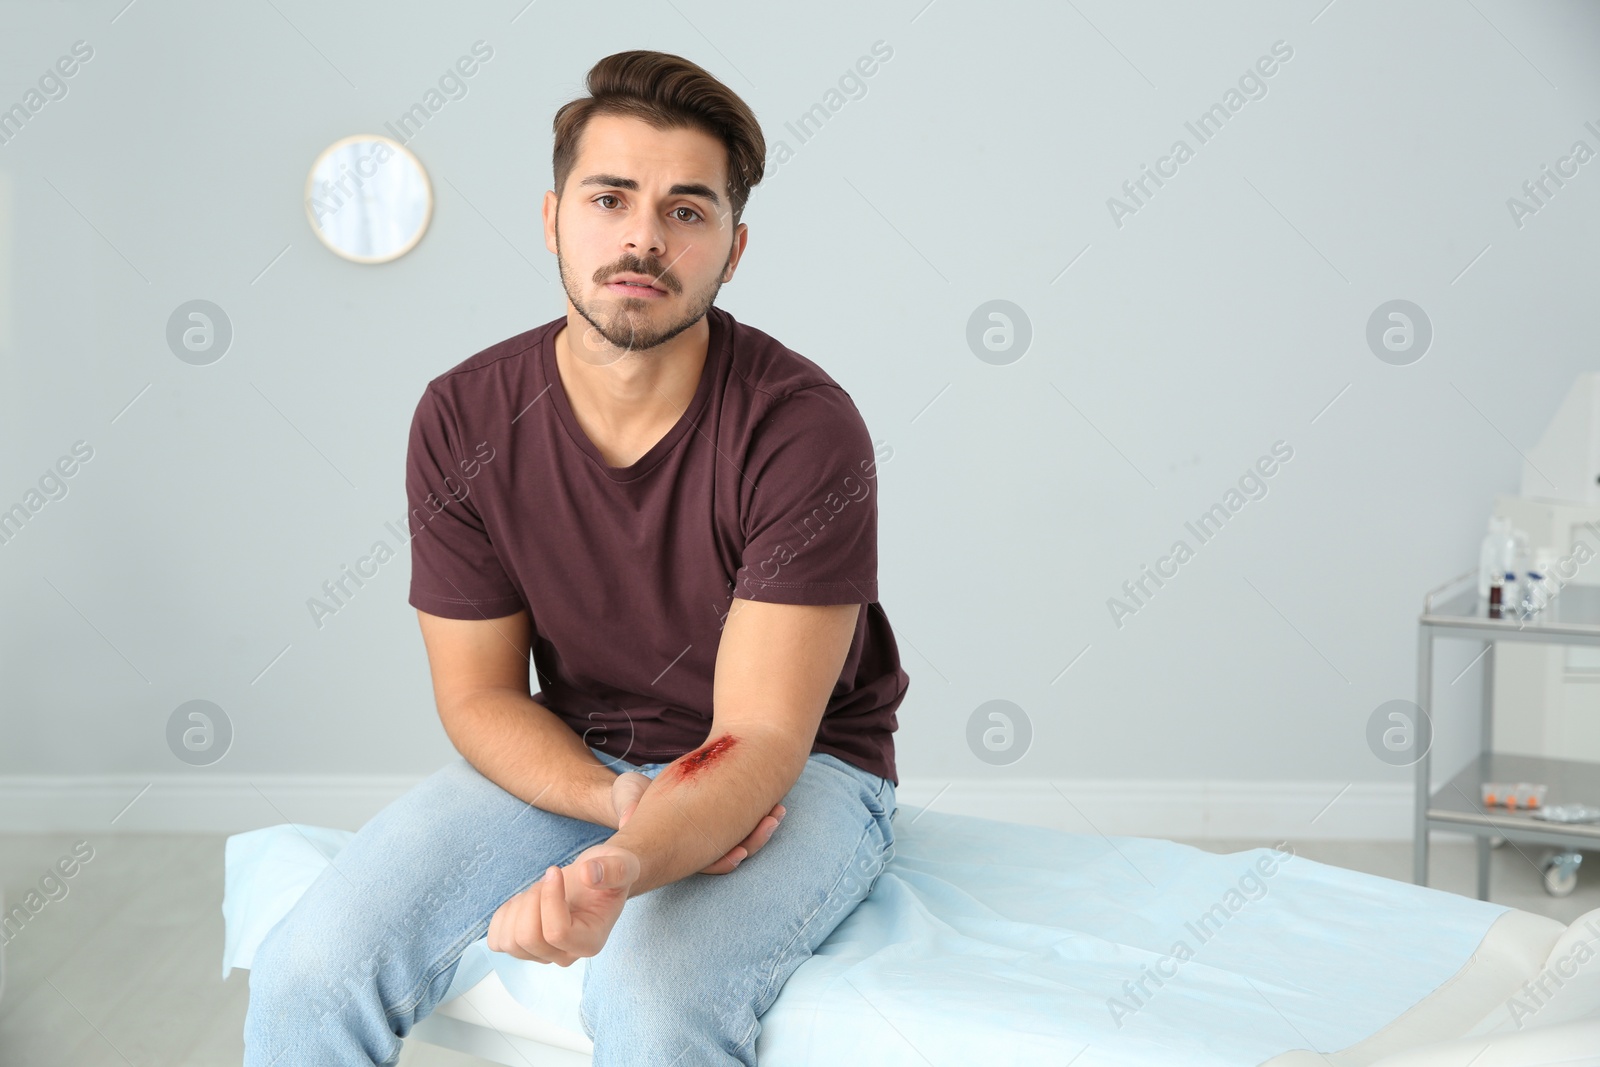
x: 765, y: 488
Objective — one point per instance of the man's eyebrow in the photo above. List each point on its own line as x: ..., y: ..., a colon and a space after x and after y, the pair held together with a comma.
x: 681, y: 189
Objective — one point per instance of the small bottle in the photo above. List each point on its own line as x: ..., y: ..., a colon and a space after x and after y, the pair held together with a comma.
x: 1497, y: 584
x: 1536, y: 592
x: 1553, y: 582
x: 1491, y: 556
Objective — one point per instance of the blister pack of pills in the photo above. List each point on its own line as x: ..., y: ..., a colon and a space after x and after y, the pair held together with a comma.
x: 1514, y: 796
x: 1569, y: 813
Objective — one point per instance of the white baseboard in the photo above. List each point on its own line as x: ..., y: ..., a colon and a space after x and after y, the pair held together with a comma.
x: 1194, y: 810
x: 181, y: 803
x: 1190, y: 810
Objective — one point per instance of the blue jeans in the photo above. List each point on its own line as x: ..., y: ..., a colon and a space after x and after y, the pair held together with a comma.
x: 688, y: 970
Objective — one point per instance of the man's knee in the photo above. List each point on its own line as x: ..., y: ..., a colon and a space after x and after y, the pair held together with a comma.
x: 685, y: 1021
x: 317, y: 997
x: 655, y: 978
x: 312, y: 976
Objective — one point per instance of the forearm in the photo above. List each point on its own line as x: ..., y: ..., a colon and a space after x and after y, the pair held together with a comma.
x: 707, y: 801
x: 521, y: 746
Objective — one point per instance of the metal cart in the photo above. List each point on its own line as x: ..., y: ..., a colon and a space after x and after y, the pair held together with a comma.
x: 1452, y: 610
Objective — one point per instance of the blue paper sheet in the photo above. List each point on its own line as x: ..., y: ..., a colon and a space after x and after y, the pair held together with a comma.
x: 997, y: 942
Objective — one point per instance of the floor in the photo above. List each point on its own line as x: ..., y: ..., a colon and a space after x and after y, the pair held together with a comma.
x: 125, y: 969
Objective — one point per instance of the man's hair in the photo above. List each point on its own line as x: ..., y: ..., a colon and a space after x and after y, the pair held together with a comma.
x: 668, y: 92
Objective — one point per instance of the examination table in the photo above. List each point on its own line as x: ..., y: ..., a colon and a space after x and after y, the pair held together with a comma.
x: 997, y: 943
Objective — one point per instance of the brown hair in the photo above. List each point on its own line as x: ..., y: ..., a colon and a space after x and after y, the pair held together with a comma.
x: 668, y: 92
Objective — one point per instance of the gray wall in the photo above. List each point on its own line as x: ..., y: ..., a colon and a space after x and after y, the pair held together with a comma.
x: 1223, y: 316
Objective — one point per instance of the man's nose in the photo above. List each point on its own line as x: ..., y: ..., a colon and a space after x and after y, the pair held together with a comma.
x: 645, y: 237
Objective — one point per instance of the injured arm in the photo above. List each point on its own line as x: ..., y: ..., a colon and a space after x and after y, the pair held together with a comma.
x: 776, y: 666
x: 704, y: 803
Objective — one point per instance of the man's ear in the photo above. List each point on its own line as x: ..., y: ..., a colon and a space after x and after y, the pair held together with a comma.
x: 547, y: 212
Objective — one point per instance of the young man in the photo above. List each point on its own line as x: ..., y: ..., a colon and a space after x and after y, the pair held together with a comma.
x: 674, y: 515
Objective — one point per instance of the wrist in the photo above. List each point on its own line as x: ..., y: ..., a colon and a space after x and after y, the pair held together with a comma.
x: 602, y: 811
x: 645, y: 876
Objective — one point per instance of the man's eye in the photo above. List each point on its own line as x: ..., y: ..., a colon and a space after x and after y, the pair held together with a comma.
x: 690, y: 210
x: 604, y: 196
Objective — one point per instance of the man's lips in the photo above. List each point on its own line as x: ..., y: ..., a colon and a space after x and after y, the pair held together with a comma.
x: 635, y: 288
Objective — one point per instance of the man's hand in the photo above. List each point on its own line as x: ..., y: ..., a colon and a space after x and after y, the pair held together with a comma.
x: 631, y: 785
x: 569, y: 913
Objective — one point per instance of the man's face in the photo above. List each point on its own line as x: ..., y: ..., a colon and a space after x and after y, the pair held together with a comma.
x: 649, y: 203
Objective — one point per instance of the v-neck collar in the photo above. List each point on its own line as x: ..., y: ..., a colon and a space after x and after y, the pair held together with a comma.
x: 715, y: 344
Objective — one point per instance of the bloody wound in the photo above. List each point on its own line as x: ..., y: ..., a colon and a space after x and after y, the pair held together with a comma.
x: 694, y: 762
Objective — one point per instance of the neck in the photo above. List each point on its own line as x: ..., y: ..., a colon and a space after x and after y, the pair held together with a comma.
x: 627, y: 399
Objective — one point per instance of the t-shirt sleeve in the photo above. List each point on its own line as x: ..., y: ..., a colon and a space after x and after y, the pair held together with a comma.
x: 811, y: 511
x: 455, y: 570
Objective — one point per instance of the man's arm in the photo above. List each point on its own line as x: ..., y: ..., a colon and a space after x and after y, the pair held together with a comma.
x: 480, y: 684
x: 776, y: 666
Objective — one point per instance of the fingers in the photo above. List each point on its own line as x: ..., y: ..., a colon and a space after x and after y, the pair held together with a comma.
x: 553, y: 910
x: 762, y: 833
x: 522, y: 926
x: 750, y: 845
x: 723, y: 865
x: 626, y: 792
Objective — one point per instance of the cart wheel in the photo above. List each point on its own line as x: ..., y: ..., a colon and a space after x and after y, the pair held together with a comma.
x: 1561, y: 874
x: 1496, y: 841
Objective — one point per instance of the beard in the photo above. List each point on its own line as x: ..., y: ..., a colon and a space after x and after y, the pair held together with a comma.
x: 638, y: 324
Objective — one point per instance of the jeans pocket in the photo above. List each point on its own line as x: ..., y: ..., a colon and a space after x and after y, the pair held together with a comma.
x: 874, y: 801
